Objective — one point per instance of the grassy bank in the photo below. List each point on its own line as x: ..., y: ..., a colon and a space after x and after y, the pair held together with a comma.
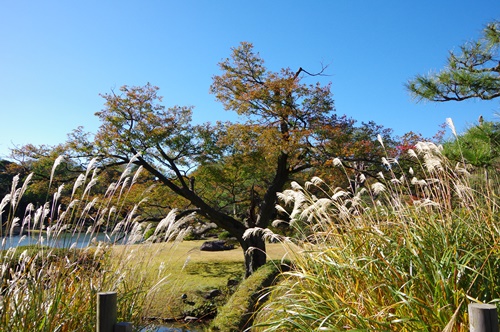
x: 238, y: 313
x: 190, y: 274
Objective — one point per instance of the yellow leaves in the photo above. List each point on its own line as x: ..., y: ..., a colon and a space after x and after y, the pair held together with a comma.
x: 267, y: 141
x: 248, y: 88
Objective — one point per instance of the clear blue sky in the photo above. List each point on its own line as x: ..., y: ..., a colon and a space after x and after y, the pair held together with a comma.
x: 57, y: 56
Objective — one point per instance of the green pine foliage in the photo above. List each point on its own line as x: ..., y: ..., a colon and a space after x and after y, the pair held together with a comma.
x: 474, y: 72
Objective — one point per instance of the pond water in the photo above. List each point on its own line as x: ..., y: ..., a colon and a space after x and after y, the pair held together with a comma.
x: 65, y: 240
x: 171, y: 329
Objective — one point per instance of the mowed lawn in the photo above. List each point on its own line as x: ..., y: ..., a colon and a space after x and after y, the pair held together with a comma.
x: 184, y: 270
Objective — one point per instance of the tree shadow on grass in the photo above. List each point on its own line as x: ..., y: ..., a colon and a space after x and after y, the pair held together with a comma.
x: 216, y: 269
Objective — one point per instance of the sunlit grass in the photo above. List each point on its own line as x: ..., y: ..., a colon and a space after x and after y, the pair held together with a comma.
x: 45, y: 288
x: 189, y: 271
x: 402, y: 254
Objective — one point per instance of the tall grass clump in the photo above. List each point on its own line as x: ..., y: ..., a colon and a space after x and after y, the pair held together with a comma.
x: 52, y: 284
x: 404, y: 253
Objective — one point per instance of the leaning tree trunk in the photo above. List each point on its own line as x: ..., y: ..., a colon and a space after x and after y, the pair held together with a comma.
x: 254, y: 249
x: 254, y: 246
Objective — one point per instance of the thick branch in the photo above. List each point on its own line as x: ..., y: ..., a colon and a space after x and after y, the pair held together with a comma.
x: 267, y: 207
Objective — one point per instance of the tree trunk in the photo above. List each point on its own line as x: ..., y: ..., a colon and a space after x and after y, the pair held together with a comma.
x: 254, y: 249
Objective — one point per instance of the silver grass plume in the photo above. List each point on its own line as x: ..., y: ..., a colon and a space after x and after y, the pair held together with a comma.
x: 125, y: 173
x: 136, y: 175
x: 432, y: 162
x: 134, y: 159
x: 337, y: 162
x: 124, y: 185
x: 26, y: 183
x: 425, y: 202
x: 450, y: 124
x: 111, y: 189
x: 79, y: 181
x: 91, y: 166
x: 170, y: 225
x: 378, y: 188
x: 14, y: 224
x: 14, y: 199
x: 14, y: 191
x: 58, y: 194
x: 15, y: 181
x: 464, y: 192
x: 265, y: 233
x: 5, y: 201
x: 379, y: 138
x: 339, y: 194
x: 396, y: 181
x: 315, y: 181
x: 57, y: 162
x: 89, y: 206
x: 412, y: 153
x: 418, y: 182
x: 91, y: 183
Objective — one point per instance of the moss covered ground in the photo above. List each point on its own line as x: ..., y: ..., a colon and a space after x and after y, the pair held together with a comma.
x: 192, y: 275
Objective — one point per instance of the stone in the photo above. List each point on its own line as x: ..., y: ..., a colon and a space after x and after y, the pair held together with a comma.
x: 212, y: 294
x: 217, y: 245
x: 232, y: 283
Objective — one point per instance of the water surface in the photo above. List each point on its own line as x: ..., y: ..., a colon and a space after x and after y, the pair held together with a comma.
x: 64, y: 240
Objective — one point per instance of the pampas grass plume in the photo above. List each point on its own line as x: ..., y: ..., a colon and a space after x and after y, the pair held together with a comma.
x: 450, y: 124
x: 57, y: 162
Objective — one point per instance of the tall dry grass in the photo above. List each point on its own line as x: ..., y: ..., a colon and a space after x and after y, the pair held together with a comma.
x: 52, y: 284
x: 405, y: 253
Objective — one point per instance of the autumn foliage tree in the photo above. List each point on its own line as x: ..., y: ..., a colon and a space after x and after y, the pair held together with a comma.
x: 282, y: 116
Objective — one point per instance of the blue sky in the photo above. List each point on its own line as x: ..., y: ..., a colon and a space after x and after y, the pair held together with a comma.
x: 57, y: 56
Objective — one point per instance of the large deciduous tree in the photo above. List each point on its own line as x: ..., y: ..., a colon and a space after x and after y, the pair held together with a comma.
x: 283, y: 118
x: 474, y: 72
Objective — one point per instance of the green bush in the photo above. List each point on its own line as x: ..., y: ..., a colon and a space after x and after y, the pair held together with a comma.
x: 224, y: 235
x: 149, y: 233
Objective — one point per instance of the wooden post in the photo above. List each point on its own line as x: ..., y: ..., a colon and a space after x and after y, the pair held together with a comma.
x: 483, y: 317
x: 106, y: 312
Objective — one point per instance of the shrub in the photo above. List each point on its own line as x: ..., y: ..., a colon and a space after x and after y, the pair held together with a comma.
x: 224, y: 235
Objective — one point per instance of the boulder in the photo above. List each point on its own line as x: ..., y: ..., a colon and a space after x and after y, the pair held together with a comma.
x: 212, y: 294
x: 232, y: 283
x: 217, y: 245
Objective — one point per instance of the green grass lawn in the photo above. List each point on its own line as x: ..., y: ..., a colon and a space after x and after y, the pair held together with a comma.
x: 188, y: 271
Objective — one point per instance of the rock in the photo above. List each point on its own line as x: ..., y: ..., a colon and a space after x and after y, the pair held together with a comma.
x: 212, y: 294
x: 232, y: 283
x: 218, y: 245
